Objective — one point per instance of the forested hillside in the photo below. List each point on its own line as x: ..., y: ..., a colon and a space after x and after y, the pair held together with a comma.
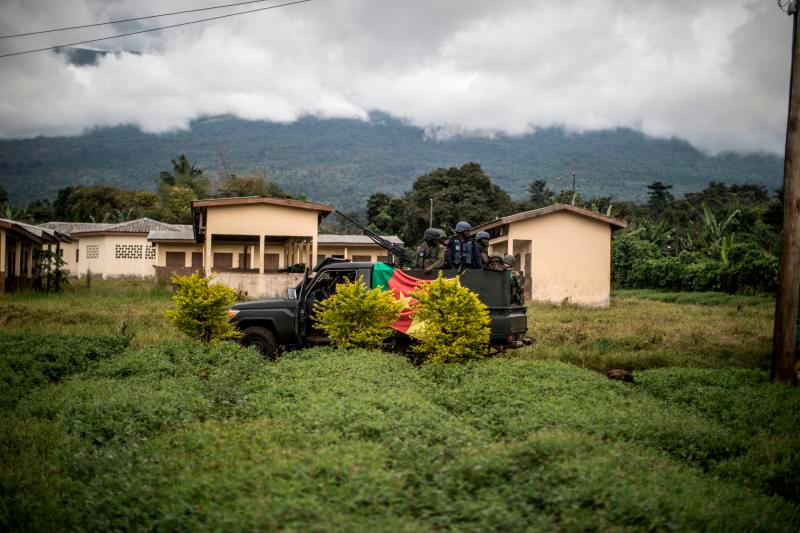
x: 344, y: 161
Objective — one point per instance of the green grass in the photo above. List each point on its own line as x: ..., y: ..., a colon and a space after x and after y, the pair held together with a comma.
x: 645, y: 329
x: 180, y: 436
x: 169, y: 434
x: 99, y: 310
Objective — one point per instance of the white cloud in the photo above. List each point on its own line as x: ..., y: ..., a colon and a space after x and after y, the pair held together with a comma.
x: 715, y: 74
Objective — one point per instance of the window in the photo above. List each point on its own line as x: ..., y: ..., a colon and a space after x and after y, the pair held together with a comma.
x: 127, y: 251
x: 150, y: 252
x: 77, y: 254
x: 362, y: 258
x: 92, y: 251
x: 223, y: 260
x: 176, y: 259
x: 383, y: 259
x: 197, y: 260
x: 271, y: 261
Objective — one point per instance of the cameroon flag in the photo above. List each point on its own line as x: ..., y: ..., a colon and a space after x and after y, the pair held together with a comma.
x: 401, y: 284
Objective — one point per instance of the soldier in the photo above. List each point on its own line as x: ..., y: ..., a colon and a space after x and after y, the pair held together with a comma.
x: 430, y: 254
x: 461, y: 251
x: 482, y: 241
x: 496, y: 262
x: 517, y: 280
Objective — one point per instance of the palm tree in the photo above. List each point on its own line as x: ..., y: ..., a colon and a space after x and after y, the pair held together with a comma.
x: 185, y: 174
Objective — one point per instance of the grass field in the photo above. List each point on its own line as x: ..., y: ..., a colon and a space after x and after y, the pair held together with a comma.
x: 98, y: 431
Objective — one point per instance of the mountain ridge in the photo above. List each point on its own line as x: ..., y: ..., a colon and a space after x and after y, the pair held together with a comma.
x: 343, y: 161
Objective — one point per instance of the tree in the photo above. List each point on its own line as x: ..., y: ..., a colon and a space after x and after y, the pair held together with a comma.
x: 659, y: 198
x: 101, y: 202
x: 465, y: 193
x: 202, y: 308
x: 39, y: 211
x: 386, y: 214
x: 254, y: 184
x: 539, y: 195
x: 185, y: 174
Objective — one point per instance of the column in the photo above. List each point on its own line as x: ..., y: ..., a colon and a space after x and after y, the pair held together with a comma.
x: 261, y: 239
x: 345, y: 253
x: 208, y: 258
x: 18, y: 259
x: 3, y: 251
x: 313, y: 252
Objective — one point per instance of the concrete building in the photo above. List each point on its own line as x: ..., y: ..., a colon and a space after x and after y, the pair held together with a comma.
x: 111, y: 250
x: 17, y: 244
x: 563, y: 250
x: 249, y: 243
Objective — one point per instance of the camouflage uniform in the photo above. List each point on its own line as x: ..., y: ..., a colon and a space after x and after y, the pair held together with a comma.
x: 429, y: 256
x: 517, y: 280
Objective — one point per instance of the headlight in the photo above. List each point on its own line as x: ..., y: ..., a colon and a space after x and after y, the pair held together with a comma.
x: 232, y: 313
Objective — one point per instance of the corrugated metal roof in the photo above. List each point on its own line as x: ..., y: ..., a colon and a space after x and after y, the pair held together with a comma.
x: 38, y: 232
x: 67, y: 228
x: 185, y: 234
x: 615, y: 222
x: 354, y: 240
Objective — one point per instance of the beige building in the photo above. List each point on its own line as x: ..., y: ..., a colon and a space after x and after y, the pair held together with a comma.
x: 17, y: 244
x: 564, y: 252
x: 111, y: 250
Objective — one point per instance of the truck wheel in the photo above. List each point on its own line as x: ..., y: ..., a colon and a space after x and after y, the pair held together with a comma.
x: 263, y: 339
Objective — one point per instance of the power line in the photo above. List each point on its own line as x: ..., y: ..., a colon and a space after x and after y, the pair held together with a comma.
x: 130, y: 20
x: 153, y: 29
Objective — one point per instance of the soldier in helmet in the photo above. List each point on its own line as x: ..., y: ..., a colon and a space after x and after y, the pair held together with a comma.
x: 461, y: 252
x: 430, y: 254
x: 496, y: 262
x: 482, y: 242
x: 517, y: 280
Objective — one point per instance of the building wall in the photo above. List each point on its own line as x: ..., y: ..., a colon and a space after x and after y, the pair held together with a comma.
x: 570, y: 257
x: 100, y: 255
x: 255, y: 286
x: 348, y: 252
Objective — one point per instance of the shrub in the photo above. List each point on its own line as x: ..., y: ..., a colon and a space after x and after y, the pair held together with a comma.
x: 453, y: 322
x: 357, y: 316
x: 628, y: 251
x: 202, y: 308
x: 751, y: 270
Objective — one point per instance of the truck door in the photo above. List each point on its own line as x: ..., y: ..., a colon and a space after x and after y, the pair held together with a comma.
x: 323, y: 286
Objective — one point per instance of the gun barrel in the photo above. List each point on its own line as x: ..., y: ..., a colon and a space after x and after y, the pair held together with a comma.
x: 393, y: 248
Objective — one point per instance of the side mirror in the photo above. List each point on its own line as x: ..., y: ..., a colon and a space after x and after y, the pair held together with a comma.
x: 292, y: 293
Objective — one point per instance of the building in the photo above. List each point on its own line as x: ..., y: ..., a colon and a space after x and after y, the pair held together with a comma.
x: 564, y: 252
x: 111, y: 250
x: 249, y: 243
x: 17, y: 244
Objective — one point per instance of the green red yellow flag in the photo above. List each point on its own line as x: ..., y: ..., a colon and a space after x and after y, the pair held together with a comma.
x: 401, y: 285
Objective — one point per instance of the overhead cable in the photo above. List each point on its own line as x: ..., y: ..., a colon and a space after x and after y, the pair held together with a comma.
x: 131, y: 19
x: 153, y: 29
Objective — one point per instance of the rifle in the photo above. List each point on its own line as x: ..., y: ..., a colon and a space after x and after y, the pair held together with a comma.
x: 400, y: 254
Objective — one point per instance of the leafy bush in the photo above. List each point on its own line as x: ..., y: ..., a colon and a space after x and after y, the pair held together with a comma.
x: 357, y: 316
x: 453, y: 322
x: 30, y: 361
x: 751, y: 270
x: 202, y: 308
x: 627, y: 251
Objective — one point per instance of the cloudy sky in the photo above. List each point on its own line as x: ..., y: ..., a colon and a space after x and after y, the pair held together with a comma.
x: 715, y: 73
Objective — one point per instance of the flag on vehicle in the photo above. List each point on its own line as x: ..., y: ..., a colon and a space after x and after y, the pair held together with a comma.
x: 402, y: 285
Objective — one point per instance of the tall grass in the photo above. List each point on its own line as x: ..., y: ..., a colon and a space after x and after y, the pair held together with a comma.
x: 646, y: 329
x: 102, y: 309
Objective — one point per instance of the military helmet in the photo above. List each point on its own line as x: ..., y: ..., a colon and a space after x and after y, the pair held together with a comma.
x: 481, y: 235
x: 431, y: 234
x: 510, y: 260
x: 462, y: 226
x: 495, y: 255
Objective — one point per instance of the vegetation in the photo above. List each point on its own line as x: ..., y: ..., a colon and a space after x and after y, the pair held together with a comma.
x: 203, y: 305
x: 453, y: 323
x: 167, y: 433
x: 357, y: 316
x: 331, y: 159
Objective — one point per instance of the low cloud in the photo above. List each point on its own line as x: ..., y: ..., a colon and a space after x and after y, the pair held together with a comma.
x: 714, y: 74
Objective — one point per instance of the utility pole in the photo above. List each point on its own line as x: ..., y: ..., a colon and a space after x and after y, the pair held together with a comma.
x: 430, y: 222
x: 573, y: 183
x: 784, y: 334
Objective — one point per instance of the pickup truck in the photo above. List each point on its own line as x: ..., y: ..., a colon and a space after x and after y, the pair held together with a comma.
x: 279, y: 324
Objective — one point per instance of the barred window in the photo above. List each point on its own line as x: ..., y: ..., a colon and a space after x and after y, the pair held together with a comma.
x: 128, y: 251
x: 150, y: 252
x: 92, y: 251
